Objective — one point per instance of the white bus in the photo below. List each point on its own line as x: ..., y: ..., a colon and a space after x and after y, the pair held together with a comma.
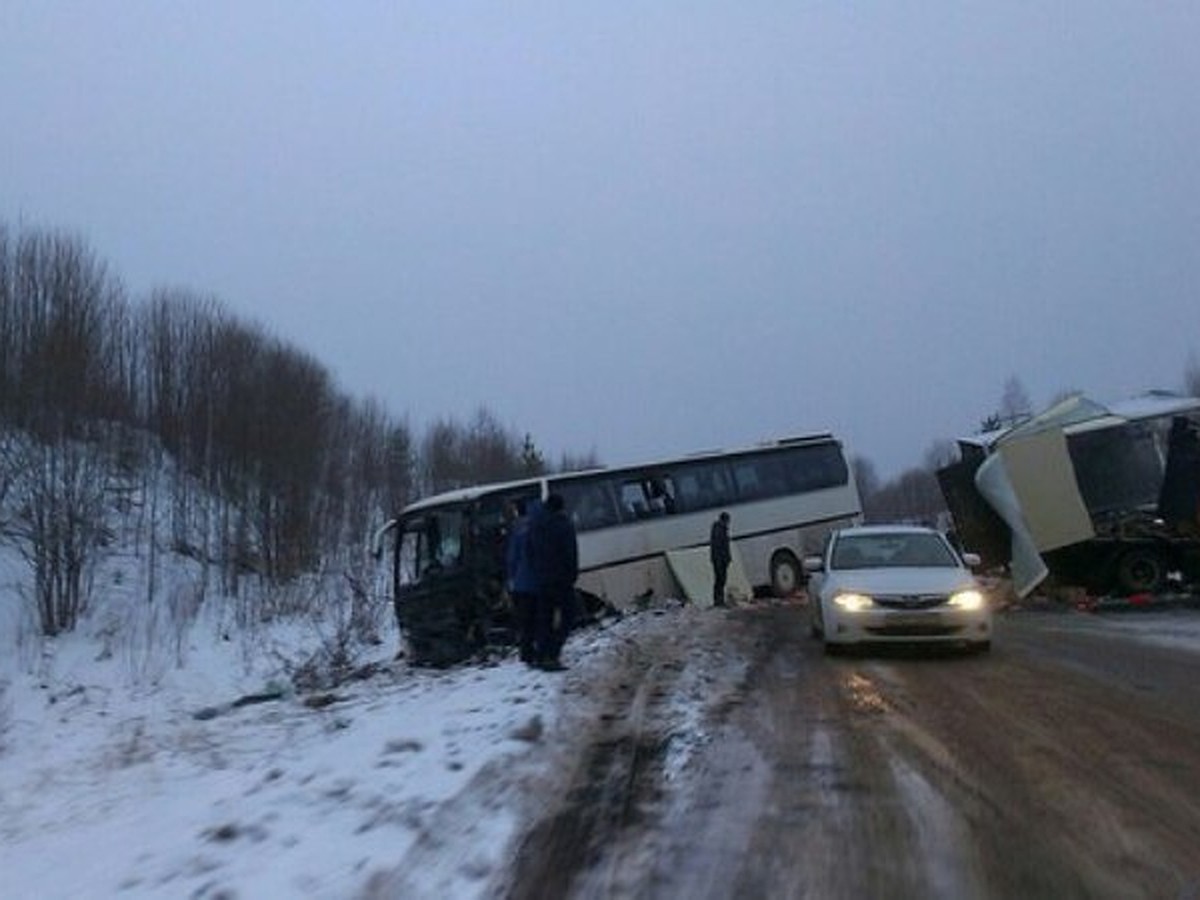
x: 783, y: 496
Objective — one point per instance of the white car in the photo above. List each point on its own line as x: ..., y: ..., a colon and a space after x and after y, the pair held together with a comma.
x: 896, y: 583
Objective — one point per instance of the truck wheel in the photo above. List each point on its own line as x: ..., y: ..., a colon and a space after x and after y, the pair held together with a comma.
x: 785, y: 574
x: 1140, y: 571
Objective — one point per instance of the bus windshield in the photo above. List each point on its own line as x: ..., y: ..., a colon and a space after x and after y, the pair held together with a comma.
x: 430, y: 543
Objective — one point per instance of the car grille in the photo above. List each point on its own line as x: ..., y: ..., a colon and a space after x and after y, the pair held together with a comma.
x: 910, y: 601
x: 930, y: 630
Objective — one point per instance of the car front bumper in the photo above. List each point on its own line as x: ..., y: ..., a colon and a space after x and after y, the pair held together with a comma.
x: 908, y: 626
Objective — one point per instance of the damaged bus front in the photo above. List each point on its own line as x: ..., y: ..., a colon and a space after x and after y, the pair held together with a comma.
x: 448, y: 573
x: 1103, y: 497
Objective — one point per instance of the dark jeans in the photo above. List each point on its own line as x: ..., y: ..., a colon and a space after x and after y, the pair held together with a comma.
x: 554, y: 620
x: 524, y: 611
x: 720, y: 570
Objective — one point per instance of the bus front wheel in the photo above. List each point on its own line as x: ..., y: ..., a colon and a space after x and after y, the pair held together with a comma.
x: 785, y: 574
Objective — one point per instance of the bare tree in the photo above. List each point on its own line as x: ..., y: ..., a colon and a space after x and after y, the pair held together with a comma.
x: 62, y: 330
x: 400, y: 472
x: 1191, y: 376
x: 442, y: 457
x: 58, y: 333
x: 492, y: 452
x: 10, y: 468
x: 291, y: 403
x: 354, y: 498
x: 453, y: 455
x: 578, y: 462
x: 914, y: 496
x: 1014, y: 402
x: 940, y: 453
x: 10, y: 333
x: 532, y: 461
x: 866, y: 478
x: 60, y: 494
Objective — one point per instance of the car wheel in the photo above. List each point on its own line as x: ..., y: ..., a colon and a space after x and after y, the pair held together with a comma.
x: 785, y: 574
x: 1140, y: 571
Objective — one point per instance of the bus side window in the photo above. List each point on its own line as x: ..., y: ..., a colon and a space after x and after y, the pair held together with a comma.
x: 717, y: 488
x: 689, y: 492
x: 633, y: 501
x: 814, y: 468
x: 589, y: 503
x: 662, y: 495
x: 647, y: 496
x: 596, y: 508
x: 702, y: 486
x: 746, y: 477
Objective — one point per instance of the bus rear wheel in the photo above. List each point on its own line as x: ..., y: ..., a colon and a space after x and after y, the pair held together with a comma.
x: 785, y: 574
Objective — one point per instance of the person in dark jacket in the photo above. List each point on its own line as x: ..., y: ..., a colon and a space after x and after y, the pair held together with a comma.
x: 522, y: 582
x: 719, y: 555
x: 554, y: 551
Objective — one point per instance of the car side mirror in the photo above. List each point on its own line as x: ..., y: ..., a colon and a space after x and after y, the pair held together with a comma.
x: 972, y: 560
x: 813, y: 564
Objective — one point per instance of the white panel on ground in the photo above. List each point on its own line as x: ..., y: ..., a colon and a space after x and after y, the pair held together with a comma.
x: 694, y: 573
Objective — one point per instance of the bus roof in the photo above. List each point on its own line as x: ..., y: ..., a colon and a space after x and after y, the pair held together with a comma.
x: 463, y: 495
x: 466, y: 494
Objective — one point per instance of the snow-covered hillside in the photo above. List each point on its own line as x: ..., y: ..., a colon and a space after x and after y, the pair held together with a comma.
x: 185, y: 742
x: 130, y: 768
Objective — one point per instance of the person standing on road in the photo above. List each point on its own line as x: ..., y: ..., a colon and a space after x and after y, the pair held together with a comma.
x: 522, y: 583
x: 554, y: 551
x: 719, y: 555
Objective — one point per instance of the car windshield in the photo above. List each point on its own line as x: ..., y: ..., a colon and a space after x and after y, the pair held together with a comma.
x: 891, y: 550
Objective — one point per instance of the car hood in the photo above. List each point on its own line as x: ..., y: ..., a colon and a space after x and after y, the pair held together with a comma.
x: 900, y: 581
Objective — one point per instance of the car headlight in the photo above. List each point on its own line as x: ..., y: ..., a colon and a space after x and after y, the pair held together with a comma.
x: 853, y: 602
x: 967, y: 600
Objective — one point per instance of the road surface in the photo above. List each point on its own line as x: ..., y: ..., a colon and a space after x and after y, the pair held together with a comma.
x: 730, y: 757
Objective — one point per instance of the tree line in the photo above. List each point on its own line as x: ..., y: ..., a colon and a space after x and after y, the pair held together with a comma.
x: 273, y: 469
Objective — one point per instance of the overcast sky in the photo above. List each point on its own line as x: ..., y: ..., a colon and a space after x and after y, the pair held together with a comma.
x: 642, y: 228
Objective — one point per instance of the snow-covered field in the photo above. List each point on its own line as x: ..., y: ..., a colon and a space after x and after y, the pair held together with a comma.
x: 111, y: 785
x: 128, y: 768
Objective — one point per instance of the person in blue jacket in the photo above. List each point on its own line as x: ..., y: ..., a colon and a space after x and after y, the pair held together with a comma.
x: 554, y: 551
x: 522, y: 580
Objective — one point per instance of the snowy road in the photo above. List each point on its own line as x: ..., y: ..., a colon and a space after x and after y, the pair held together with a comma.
x: 1065, y: 764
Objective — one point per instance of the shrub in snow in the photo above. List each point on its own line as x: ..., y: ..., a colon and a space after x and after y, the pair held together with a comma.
x: 57, y: 487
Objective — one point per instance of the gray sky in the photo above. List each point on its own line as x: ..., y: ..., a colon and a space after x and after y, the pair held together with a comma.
x: 643, y: 228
